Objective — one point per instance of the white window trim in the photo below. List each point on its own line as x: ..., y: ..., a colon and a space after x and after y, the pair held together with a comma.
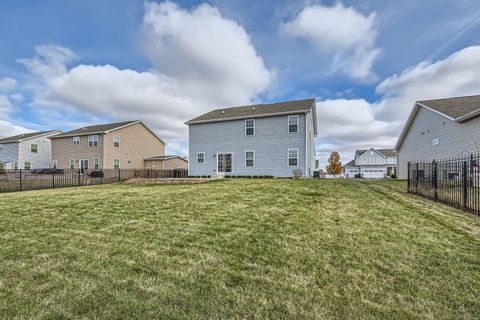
x: 54, y: 164
x: 98, y: 160
x: 70, y: 164
x: 253, y: 151
x: 250, y: 128
x: 76, y: 139
x: 288, y: 158
x: 30, y: 165
x: 115, y: 141
x: 288, y: 123
x: 91, y: 139
x: 84, y: 161
x: 31, y: 145
x: 118, y: 163
x: 196, y: 158
x: 233, y: 162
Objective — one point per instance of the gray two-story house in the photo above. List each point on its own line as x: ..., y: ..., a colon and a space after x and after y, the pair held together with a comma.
x: 275, y: 139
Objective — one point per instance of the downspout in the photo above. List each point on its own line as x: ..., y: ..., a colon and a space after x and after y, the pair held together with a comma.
x: 306, y: 144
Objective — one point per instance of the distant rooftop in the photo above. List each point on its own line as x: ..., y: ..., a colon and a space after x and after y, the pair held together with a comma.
x: 24, y: 136
x: 99, y: 128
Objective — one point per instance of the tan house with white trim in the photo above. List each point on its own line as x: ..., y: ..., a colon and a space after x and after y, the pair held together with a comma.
x: 123, y: 145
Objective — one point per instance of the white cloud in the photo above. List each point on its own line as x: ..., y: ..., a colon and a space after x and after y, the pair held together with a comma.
x: 6, y: 127
x: 457, y: 75
x: 346, y: 125
x: 6, y: 106
x: 201, y: 60
x: 7, y: 84
x: 342, y: 31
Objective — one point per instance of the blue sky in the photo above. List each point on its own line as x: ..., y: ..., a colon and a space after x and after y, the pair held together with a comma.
x: 69, y: 63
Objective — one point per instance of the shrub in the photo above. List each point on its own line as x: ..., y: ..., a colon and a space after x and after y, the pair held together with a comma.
x: 97, y: 174
x: 393, y: 176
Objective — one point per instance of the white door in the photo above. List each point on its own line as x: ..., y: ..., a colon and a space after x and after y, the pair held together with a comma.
x: 224, y: 163
x: 373, y: 174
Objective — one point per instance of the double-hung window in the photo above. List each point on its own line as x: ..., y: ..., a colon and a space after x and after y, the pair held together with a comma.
x: 72, y: 164
x: 249, y: 158
x: 76, y: 141
x: 96, y: 163
x: 116, y: 163
x: 116, y: 142
x: 93, y: 140
x: 34, y: 148
x: 27, y: 165
x: 54, y: 164
x: 292, y: 157
x: 250, y: 127
x: 293, y: 124
x: 200, y: 157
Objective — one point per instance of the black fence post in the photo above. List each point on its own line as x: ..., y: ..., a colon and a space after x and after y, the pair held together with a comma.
x: 119, y: 177
x: 435, y: 178
x: 408, y: 176
x: 465, y: 185
x: 78, y: 172
x: 21, y: 184
x: 53, y: 181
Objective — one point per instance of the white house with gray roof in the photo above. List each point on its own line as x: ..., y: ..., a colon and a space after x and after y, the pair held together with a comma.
x: 275, y: 139
x: 438, y: 129
x: 372, y: 164
x: 27, y: 151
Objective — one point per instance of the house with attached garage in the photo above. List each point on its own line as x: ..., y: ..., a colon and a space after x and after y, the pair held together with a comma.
x: 439, y: 129
x: 372, y: 164
x: 27, y: 151
x: 123, y: 145
x: 276, y: 139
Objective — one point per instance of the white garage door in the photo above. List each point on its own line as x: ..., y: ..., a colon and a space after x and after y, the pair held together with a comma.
x: 373, y: 174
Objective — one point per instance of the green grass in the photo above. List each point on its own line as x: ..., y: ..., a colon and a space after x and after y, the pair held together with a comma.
x: 237, y: 249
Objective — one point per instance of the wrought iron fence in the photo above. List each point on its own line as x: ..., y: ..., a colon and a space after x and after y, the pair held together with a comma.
x: 454, y: 181
x: 21, y: 180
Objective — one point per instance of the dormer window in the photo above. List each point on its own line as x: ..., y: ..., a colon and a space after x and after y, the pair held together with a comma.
x: 93, y: 140
x: 250, y: 127
x: 293, y: 124
x: 116, y: 142
x: 76, y: 141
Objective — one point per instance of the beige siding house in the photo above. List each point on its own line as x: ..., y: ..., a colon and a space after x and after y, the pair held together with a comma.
x: 166, y: 162
x: 123, y: 145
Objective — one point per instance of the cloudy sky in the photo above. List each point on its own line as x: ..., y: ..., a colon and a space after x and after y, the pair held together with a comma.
x: 65, y: 64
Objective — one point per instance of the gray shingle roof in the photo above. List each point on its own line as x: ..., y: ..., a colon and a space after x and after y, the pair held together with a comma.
x: 350, y: 164
x: 24, y: 136
x: 100, y: 128
x: 385, y: 152
x: 454, y: 107
x: 252, y: 111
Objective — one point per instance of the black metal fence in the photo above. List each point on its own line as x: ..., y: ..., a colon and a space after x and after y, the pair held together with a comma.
x: 21, y: 180
x: 455, y: 181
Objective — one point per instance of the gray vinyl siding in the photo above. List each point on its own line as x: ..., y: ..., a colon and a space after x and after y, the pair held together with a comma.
x: 9, y: 152
x: 456, y: 139
x: 270, y: 143
x: 311, y: 154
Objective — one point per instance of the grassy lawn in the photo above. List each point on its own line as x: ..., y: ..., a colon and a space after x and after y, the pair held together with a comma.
x: 237, y: 249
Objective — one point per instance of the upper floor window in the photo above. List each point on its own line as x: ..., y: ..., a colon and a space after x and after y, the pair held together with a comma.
x: 292, y: 157
x: 116, y: 142
x: 250, y: 127
x: 293, y: 124
x: 93, y: 140
x: 116, y: 163
x: 249, y: 158
x: 76, y: 141
x: 200, y: 157
x: 34, y: 148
